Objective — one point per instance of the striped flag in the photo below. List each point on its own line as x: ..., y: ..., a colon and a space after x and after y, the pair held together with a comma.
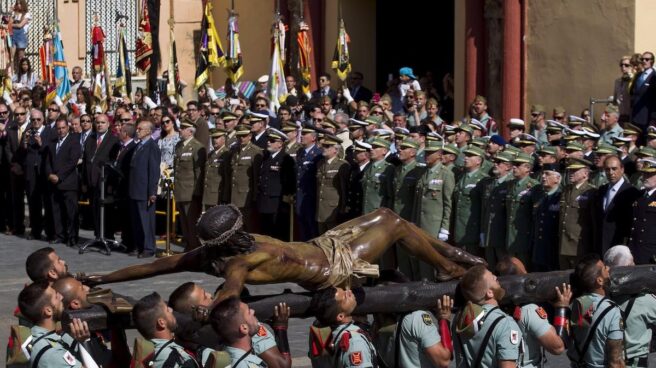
x: 144, y: 46
x: 46, y: 51
x: 211, y: 50
x: 123, y: 74
x: 173, y: 83
x: 304, y: 57
x: 341, y: 63
x: 277, y: 87
x: 234, y: 66
x: 62, y: 83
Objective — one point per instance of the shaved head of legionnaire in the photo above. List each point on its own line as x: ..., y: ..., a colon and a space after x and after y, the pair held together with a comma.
x: 74, y: 293
x: 45, y: 264
x: 189, y: 295
x: 480, y: 286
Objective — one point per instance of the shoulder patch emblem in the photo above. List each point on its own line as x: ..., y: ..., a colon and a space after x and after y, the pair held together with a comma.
x: 514, y: 337
x: 69, y: 358
x: 261, y: 331
x: 428, y: 321
x: 517, y: 314
x: 541, y: 312
x: 356, y: 358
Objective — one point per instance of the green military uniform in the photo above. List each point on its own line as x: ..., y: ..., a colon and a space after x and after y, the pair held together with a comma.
x: 487, y: 166
x: 467, y: 207
x: 54, y: 349
x: 418, y: 333
x: 352, y: 347
x: 168, y: 354
x: 292, y: 149
x: 406, y: 179
x: 519, y: 222
x: 215, y: 174
x: 377, y: 185
x: 575, y: 223
x: 434, y: 194
x: 245, y: 165
x: 637, y: 324
x: 244, y: 359
x: 609, y: 328
x: 332, y: 186
x: 493, y: 217
x: 533, y: 323
x: 504, y: 342
x: 598, y: 178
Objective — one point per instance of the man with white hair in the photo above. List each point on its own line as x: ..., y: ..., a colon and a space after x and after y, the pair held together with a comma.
x: 638, y: 312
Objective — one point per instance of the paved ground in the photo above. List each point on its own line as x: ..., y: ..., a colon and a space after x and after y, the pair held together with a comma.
x: 15, y: 250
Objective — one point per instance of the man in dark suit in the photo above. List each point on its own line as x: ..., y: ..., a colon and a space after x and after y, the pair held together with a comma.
x: 643, y: 93
x: 276, y: 182
x: 643, y: 232
x: 324, y: 90
x: 5, y: 194
x: 60, y: 169
x: 613, y: 206
x: 120, y: 179
x: 101, y: 148
x: 144, y: 176
x: 16, y: 156
x: 358, y: 91
x: 36, y: 145
x: 307, y: 159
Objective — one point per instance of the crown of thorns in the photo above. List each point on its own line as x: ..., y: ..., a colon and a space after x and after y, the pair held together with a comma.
x: 211, y: 224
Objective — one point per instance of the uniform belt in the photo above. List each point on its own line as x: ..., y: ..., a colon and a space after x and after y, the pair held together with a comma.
x: 642, y: 361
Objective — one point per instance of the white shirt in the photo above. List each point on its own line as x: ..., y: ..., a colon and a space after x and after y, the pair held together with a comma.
x: 612, y: 191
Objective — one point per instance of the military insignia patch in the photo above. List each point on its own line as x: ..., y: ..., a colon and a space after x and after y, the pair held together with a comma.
x: 261, y: 331
x: 69, y: 358
x: 356, y: 358
x: 514, y: 337
x: 541, y: 312
x: 428, y: 321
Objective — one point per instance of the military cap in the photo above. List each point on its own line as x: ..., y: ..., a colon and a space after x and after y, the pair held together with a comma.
x: 276, y: 134
x: 373, y: 120
x: 330, y: 139
x: 523, y: 158
x: 574, y: 146
x: 551, y: 167
x: 187, y: 123
x: 379, y: 142
x: 383, y: 133
x: 228, y: 116
x: 474, y: 151
x: 574, y: 120
x: 497, y: 139
x: 526, y: 139
x: 289, y: 126
x: 433, y: 136
x: 451, y: 148
x: 577, y: 163
x: 512, y: 149
x: 242, y: 129
x: 449, y: 130
x: 590, y: 135
x: 254, y: 117
x: 308, y: 128
x: 329, y: 123
x: 477, y: 125
x: 217, y: 132
x: 612, y: 108
x: 409, y: 143
x: 357, y: 124
x: 651, y: 132
x: 547, y: 150
x: 361, y: 146
x: 589, y: 127
x: 516, y: 123
x: 401, y: 132
x: 555, y: 126
x: 504, y: 156
x: 573, y: 134
x: 479, y: 142
x: 646, y: 152
x: 434, y: 146
x: 631, y: 129
x: 620, y: 141
x: 465, y: 128
x: 558, y: 110
x: 537, y: 109
x: 648, y: 165
x: 605, y: 148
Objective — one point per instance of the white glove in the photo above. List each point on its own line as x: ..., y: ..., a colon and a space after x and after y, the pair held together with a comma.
x: 211, y: 94
x: 443, y: 235
x: 149, y: 102
x: 7, y: 98
x: 173, y: 100
x: 308, y: 95
x: 58, y: 101
x: 347, y: 95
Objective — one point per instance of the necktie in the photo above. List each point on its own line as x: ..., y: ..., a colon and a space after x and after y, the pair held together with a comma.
x: 98, y: 141
x: 59, y: 143
x: 607, y: 198
x: 21, y: 130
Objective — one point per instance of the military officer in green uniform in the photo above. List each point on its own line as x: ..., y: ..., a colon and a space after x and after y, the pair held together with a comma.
x: 463, y: 135
x: 245, y: 163
x: 230, y: 121
x: 485, y: 335
x: 188, y: 179
x: 488, y: 164
x: 291, y: 129
x: 598, y: 177
x: 519, y: 209
x: 406, y: 179
x: 597, y: 328
x: 467, y: 202
x: 216, y: 170
x: 644, y: 152
x: 450, y: 153
x: 493, y: 208
x: 434, y: 194
x: 332, y: 185
x: 546, y: 156
x: 575, y: 215
x: 377, y: 179
x: 638, y: 312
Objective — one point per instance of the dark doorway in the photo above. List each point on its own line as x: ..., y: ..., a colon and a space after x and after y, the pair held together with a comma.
x: 414, y: 33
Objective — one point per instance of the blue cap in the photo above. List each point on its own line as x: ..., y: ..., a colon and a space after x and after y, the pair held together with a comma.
x: 498, y: 140
x: 407, y: 71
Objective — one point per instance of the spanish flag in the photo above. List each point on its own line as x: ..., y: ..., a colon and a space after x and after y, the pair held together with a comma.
x: 341, y: 62
x: 211, y: 50
x: 234, y: 66
x: 304, y: 57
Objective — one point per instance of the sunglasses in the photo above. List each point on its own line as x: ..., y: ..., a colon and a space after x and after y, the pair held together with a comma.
x: 124, y: 120
x: 646, y: 59
x: 559, y: 117
x: 51, y: 110
x: 85, y: 121
x: 166, y: 121
x: 21, y: 113
x: 37, y: 119
x: 625, y: 65
x: 535, y: 114
x: 4, y: 112
x: 215, y: 113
